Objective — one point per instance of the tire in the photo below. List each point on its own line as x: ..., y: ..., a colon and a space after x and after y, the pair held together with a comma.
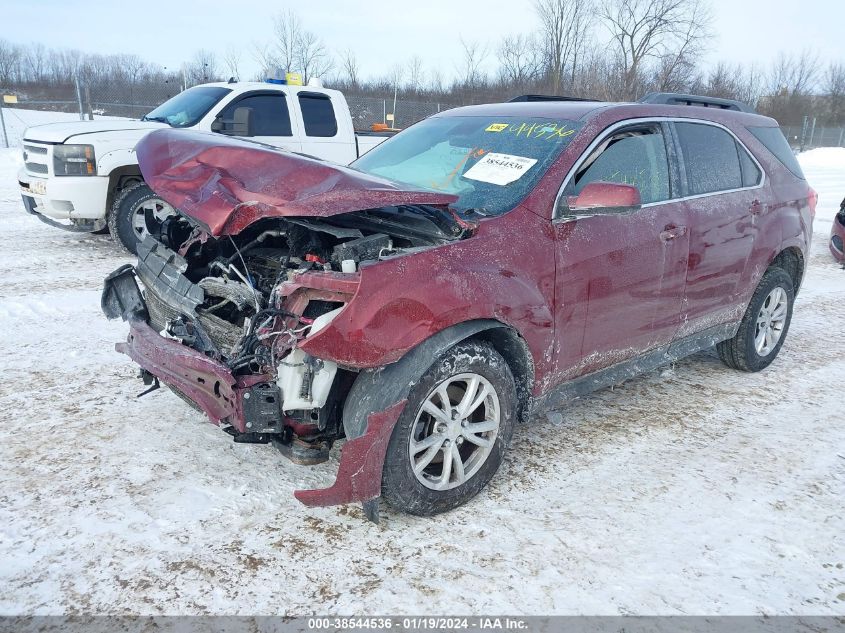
x: 743, y: 351
x: 128, y: 205
x: 457, y: 369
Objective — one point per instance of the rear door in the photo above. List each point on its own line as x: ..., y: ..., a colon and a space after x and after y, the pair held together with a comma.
x: 620, y: 278
x: 326, y: 135
x: 724, y: 198
x: 271, y: 119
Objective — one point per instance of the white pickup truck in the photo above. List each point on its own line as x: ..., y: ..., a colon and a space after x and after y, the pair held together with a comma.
x: 84, y: 176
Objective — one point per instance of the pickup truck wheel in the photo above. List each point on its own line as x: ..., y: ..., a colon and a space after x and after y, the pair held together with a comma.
x: 137, y: 211
x: 763, y: 328
x: 451, y: 437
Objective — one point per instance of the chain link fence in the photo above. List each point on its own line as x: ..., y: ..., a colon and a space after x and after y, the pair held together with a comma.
x: 135, y: 100
x: 811, y: 136
x: 369, y: 110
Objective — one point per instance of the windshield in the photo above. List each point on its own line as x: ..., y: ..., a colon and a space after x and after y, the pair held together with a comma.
x: 491, y: 163
x: 188, y: 107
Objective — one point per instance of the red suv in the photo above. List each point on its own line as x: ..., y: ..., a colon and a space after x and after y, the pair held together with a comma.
x: 487, y: 263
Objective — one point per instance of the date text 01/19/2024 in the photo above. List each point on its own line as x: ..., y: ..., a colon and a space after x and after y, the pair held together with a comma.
x: 431, y: 623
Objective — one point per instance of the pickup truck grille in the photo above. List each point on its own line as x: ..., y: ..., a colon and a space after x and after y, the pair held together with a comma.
x: 36, y: 159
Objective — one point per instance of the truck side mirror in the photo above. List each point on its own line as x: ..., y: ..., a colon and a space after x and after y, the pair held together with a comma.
x: 242, y: 122
x: 240, y: 125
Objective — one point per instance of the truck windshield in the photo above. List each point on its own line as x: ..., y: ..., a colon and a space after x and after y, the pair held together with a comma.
x: 188, y: 107
x: 491, y: 163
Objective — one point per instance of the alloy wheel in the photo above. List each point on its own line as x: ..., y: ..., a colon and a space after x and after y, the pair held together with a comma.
x: 159, y: 210
x: 770, y: 321
x: 454, y: 431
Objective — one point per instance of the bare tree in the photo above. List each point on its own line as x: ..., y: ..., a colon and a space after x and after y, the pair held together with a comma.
x: 287, y: 29
x: 564, y: 24
x: 10, y: 57
x: 313, y: 57
x: 474, y: 55
x: 202, y: 68
x: 678, y: 63
x: 647, y: 30
x: 416, y: 74
x: 834, y: 92
x: 35, y: 57
x: 262, y: 53
x: 349, y: 65
x: 519, y: 60
x: 232, y: 61
x: 794, y: 76
x: 792, y: 80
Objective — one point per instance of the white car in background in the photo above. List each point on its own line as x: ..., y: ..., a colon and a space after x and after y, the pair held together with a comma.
x: 84, y: 176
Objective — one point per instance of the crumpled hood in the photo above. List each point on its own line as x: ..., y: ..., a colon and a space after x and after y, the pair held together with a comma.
x: 227, y: 184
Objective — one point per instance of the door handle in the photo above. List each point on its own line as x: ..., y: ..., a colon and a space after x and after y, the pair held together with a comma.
x: 671, y: 232
x: 756, y: 208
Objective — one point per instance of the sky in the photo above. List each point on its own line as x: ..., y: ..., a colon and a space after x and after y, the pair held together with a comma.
x: 382, y: 34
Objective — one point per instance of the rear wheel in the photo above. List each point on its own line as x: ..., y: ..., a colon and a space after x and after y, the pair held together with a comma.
x: 451, y: 437
x: 137, y: 212
x: 763, y: 328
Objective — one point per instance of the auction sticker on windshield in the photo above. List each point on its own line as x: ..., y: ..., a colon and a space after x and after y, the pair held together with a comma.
x: 500, y: 169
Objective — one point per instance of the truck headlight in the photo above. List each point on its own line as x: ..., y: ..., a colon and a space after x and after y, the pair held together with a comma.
x: 74, y: 160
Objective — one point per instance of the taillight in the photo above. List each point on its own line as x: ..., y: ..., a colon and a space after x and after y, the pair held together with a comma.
x: 812, y: 201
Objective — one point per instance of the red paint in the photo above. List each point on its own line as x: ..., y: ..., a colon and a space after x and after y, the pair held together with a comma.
x: 606, y: 194
x: 583, y: 293
x: 205, y: 381
x: 361, y: 461
x: 227, y: 184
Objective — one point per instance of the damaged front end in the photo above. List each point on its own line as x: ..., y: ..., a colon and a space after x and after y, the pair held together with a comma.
x: 220, y: 308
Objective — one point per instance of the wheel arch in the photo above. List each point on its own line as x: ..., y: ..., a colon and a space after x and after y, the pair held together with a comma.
x: 377, y: 389
x: 791, y: 259
x: 119, y: 178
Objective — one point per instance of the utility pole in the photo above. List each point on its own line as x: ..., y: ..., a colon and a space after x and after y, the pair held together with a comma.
x: 79, y: 99
x: 3, y: 125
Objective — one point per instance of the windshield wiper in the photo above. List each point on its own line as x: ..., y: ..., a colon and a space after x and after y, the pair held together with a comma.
x: 157, y: 119
x: 472, y: 211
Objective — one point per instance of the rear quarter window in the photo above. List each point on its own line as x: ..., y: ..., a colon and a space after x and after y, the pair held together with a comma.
x: 774, y: 141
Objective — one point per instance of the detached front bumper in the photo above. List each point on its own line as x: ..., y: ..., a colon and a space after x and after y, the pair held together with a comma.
x: 213, y: 388
x: 206, y: 382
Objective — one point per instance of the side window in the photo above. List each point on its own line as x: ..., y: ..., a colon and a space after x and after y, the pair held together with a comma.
x: 318, y: 114
x: 270, y: 116
x: 635, y: 156
x: 750, y: 172
x: 710, y: 157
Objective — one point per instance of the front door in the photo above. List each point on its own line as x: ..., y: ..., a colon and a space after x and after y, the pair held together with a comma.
x: 271, y: 120
x: 620, y: 277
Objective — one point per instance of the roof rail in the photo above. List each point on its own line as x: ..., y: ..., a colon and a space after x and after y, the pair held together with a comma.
x: 672, y: 98
x: 546, y: 98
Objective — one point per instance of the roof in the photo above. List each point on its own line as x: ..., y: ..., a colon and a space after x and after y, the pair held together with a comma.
x: 264, y: 85
x: 585, y: 110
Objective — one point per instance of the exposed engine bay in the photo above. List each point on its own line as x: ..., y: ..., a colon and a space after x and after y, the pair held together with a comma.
x: 246, y: 301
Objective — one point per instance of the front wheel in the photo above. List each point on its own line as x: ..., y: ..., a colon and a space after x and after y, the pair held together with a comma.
x: 763, y: 328
x: 451, y: 437
x: 137, y: 212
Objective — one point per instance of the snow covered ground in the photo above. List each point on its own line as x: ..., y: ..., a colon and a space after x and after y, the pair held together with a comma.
x: 690, y: 490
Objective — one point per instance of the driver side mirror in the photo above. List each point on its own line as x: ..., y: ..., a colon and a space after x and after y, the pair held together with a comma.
x: 240, y: 125
x: 604, y: 197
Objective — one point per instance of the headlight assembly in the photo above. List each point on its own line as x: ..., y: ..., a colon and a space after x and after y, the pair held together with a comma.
x: 74, y: 160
